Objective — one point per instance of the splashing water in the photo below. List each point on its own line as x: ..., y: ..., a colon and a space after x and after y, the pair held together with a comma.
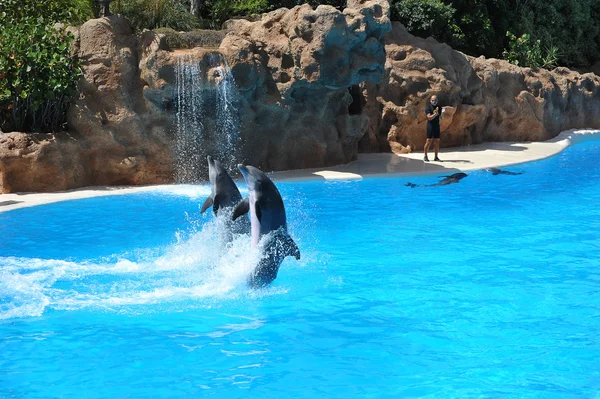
x: 199, y: 265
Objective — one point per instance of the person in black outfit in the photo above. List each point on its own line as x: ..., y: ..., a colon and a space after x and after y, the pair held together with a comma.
x: 433, y: 112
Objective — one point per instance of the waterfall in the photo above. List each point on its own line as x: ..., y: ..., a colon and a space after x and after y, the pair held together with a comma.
x: 207, y: 116
x: 189, y: 139
x: 228, y: 122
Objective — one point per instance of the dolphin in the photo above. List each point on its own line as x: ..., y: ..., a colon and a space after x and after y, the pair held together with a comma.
x: 453, y: 178
x: 496, y: 171
x: 224, y: 197
x: 267, y: 219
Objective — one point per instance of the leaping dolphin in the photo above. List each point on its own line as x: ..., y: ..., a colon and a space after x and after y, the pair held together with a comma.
x: 453, y: 178
x: 267, y: 218
x: 224, y: 197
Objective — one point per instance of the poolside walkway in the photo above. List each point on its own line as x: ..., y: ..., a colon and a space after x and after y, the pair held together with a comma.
x: 473, y: 157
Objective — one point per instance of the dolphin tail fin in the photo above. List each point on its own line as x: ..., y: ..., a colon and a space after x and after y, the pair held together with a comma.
x: 207, y: 204
x: 411, y: 185
x: 291, y: 249
x: 241, y: 209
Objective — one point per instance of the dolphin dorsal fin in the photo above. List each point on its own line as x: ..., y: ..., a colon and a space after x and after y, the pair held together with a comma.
x: 241, y: 209
x: 207, y: 204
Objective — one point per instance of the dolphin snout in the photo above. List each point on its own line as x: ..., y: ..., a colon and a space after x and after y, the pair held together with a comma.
x: 243, y: 170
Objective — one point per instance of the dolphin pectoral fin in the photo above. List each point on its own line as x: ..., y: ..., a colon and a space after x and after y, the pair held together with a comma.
x: 291, y: 249
x: 216, y: 205
x: 207, y: 204
x: 241, y: 209
x: 258, y: 212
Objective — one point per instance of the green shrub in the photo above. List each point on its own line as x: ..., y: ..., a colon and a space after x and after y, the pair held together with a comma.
x: 218, y: 11
x: 426, y: 18
x: 152, y: 14
x: 68, y: 11
x: 38, y: 75
x: 525, y: 52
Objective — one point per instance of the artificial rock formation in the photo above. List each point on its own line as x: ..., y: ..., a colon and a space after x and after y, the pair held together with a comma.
x: 485, y: 99
x: 294, y: 69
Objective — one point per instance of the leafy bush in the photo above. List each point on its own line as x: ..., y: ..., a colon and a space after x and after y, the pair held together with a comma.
x: 70, y: 11
x: 38, y: 75
x: 152, y: 14
x: 215, y: 12
x: 422, y: 17
x: 525, y: 52
x: 426, y: 18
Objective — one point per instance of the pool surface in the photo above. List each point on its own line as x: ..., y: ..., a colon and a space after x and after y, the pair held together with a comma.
x: 485, y: 288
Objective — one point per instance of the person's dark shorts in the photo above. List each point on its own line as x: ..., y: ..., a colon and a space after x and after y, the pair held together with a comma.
x: 433, y: 132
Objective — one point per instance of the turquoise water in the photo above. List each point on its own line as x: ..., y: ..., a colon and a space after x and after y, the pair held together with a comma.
x: 486, y: 288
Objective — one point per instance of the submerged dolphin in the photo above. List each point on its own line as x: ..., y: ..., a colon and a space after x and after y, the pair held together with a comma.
x: 224, y: 197
x: 496, y: 171
x: 453, y: 178
x: 267, y: 217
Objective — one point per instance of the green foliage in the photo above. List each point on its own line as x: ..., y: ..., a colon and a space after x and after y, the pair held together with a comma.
x: 570, y: 28
x: 525, y: 52
x: 426, y: 18
x: 152, y: 14
x: 68, y: 11
x: 573, y: 26
x: 215, y: 12
x: 38, y: 75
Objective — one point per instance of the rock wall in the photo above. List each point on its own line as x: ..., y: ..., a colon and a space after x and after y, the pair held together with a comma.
x: 293, y: 68
x: 484, y: 99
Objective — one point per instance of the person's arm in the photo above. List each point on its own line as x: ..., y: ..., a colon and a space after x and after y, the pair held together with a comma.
x: 432, y: 115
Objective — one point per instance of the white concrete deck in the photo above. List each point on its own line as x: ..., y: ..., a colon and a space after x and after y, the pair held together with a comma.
x: 473, y: 157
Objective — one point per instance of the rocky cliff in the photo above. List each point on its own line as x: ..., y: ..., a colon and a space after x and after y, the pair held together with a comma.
x: 293, y: 70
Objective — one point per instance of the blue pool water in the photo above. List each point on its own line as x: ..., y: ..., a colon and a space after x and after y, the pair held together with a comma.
x: 486, y: 288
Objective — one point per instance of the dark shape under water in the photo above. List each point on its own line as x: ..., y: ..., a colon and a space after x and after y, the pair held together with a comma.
x: 496, y: 171
x: 453, y: 178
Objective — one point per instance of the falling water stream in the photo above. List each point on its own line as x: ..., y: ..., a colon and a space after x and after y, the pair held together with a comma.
x: 207, y: 117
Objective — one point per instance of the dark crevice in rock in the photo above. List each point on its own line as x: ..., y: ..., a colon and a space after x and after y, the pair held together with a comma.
x: 358, y: 101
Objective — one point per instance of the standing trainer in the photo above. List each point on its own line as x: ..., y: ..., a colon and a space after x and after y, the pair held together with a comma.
x: 433, y: 112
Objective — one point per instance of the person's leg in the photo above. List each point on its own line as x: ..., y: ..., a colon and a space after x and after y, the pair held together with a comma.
x: 427, y: 145
x: 436, y: 147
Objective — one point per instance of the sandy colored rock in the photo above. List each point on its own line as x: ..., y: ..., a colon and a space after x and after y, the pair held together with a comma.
x: 295, y: 70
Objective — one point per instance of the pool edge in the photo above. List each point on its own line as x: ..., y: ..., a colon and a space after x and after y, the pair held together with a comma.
x: 469, y: 158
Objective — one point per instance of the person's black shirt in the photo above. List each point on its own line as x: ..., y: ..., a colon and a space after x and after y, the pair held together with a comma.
x: 435, y: 122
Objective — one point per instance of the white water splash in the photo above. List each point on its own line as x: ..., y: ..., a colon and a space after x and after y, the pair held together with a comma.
x: 193, y: 272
